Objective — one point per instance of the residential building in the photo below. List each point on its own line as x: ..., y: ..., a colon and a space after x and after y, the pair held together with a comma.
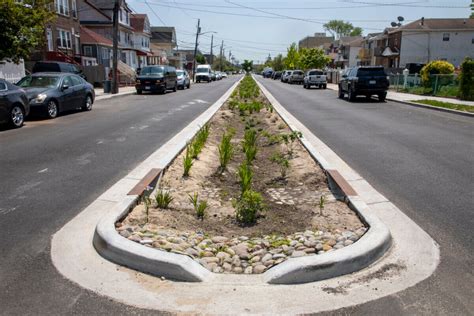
x: 345, y: 51
x: 96, y: 49
x: 97, y: 15
x: 162, y: 44
x: 62, y: 35
x: 319, y: 40
x: 188, y: 58
x: 141, y: 37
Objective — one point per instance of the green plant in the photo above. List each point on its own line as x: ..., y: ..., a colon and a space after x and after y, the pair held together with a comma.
x: 147, y: 203
x: 466, y: 84
x: 250, y: 154
x: 322, y: 201
x: 436, y: 67
x: 271, y: 138
x: 448, y: 105
x: 163, y: 199
x: 199, y: 206
x: 245, y: 176
x: 281, y: 126
x: 233, y: 103
x: 249, y: 145
x: 199, y: 141
x: 282, y: 162
x: 248, y: 207
x: 187, y: 161
x: 289, y: 140
x: 226, y: 150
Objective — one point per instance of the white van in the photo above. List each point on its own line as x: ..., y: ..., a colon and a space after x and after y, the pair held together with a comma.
x: 203, y: 73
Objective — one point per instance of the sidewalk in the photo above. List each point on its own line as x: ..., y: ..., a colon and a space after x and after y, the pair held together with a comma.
x: 406, y: 97
x: 100, y: 95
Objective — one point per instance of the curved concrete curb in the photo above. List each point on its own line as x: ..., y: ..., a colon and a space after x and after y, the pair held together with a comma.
x: 120, y: 250
x: 179, y: 267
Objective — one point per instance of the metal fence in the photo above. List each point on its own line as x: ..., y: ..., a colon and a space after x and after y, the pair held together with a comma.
x: 437, y: 85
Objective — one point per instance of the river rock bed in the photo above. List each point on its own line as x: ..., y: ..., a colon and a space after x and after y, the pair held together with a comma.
x: 240, y: 255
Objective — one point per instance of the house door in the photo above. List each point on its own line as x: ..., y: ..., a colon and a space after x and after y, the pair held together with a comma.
x: 49, y: 38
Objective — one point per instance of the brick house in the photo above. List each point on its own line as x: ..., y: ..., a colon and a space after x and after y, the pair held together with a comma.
x: 96, y: 49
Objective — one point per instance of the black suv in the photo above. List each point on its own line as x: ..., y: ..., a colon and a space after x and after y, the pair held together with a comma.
x: 57, y: 66
x: 366, y: 81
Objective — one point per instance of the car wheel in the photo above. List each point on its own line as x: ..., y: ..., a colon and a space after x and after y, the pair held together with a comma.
x: 17, y: 116
x: 175, y: 88
x: 382, y: 97
x: 325, y: 86
x: 341, y: 93
x: 52, y: 109
x: 87, y: 104
x: 351, y: 95
x: 189, y: 85
x: 139, y: 91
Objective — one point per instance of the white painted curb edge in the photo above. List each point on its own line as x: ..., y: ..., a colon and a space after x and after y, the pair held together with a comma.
x: 375, y: 242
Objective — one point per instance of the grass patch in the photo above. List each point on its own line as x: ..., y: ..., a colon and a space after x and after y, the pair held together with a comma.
x: 447, y: 105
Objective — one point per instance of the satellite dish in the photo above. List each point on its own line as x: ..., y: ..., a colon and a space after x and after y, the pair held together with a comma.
x: 393, y: 24
x: 400, y: 19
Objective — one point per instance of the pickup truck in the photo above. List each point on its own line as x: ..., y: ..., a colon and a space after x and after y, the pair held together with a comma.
x: 296, y: 77
x: 316, y: 78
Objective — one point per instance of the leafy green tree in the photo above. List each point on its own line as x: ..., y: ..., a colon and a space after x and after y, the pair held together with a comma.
x: 340, y: 28
x: 292, y: 57
x: 247, y: 65
x: 22, y: 27
x: 313, y: 58
x: 277, y: 63
x: 200, y: 59
x: 269, y: 62
x: 472, y: 9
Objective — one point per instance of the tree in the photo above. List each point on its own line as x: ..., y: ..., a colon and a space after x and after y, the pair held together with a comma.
x: 472, y: 9
x: 292, y: 57
x: 23, y: 24
x: 313, y: 58
x: 340, y: 28
x: 200, y: 59
x: 277, y: 63
x: 247, y: 65
x: 269, y: 62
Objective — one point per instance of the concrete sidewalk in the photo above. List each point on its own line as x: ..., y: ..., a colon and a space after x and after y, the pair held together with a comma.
x: 100, y: 95
x: 406, y: 97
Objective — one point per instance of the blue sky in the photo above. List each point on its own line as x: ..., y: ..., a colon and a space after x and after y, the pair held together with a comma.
x: 254, y: 29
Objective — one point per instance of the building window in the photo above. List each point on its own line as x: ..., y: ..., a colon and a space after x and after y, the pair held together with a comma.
x: 105, y: 53
x: 62, y: 7
x: 445, y: 37
x: 87, y: 51
x: 74, y: 9
x: 64, y: 39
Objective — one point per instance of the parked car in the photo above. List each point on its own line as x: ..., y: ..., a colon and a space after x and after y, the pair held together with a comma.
x: 213, y: 76
x: 297, y: 76
x: 286, y: 74
x: 56, y: 66
x: 157, y: 79
x: 183, y: 79
x: 203, y: 73
x: 218, y: 75
x: 276, y: 75
x: 14, y: 105
x: 366, y: 80
x: 315, y: 77
x: 224, y: 75
x: 267, y: 72
x: 52, y: 93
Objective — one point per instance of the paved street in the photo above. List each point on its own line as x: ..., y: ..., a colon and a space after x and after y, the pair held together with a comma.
x: 422, y: 160
x: 52, y: 169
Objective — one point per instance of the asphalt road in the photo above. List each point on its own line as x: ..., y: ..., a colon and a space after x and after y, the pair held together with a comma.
x: 420, y: 159
x: 52, y: 169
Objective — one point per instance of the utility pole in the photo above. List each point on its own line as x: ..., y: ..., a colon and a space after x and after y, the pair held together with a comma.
x: 212, y: 54
x: 221, y: 54
x: 196, y: 48
x: 114, y: 87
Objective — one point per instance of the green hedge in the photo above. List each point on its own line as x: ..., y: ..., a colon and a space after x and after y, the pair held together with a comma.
x: 467, y: 80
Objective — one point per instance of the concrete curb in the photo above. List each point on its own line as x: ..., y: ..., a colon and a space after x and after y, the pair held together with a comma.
x: 349, y: 259
x: 110, y: 245
x: 436, y: 108
x: 113, y: 96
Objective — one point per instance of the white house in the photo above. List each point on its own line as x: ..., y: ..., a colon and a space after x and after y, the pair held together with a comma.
x: 141, y: 37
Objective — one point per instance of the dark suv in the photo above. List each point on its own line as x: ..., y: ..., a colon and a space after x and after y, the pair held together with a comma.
x: 57, y: 66
x: 157, y: 79
x: 367, y: 80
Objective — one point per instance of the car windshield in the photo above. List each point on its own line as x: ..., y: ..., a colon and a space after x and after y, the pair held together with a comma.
x: 152, y: 70
x: 203, y: 70
x: 297, y: 72
x: 366, y: 72
x: 39, y: 82
x: 315, y: 73
x: 179, y: 72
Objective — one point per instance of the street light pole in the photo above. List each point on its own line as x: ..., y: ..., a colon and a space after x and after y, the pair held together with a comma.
x: 115, y: 47
x: 221, y: 55
x: 195, y: 49
x: 212, y: 52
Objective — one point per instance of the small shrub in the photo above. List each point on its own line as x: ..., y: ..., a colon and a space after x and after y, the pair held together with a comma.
x: 199, y: 141
x: 250, y: 154
x: 322, y: 201
x: 248, y: 207
x: 226, y: 150
x: 163, y: 199
x: 147, y: 203
x: 282, y: 162
x: 187, y: 161
x: 245, y: 176
x: 271, y: 138
x: 250, y: 138
x: 436, y: 67
x: 466, y: 84
x: 281, y: 126
x: 289, y: 140
x: 233, y: 104
x: 199, y: 206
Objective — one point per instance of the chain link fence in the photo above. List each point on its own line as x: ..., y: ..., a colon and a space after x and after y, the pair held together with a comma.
x: 437, y: 85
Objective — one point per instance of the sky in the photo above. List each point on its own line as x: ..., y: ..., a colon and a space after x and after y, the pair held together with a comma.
x: 254, y: 29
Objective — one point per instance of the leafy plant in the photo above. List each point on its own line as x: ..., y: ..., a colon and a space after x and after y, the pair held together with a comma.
x: 199, y: 141
x: 248, y: 207
x: 163, y: 199
x: 147, y: 203
x: 282, y: 162
x: 271, y: 138
x: 249, y: 145
x: 187, y: 161
x: 245, y: 176
x: 322, y: 201
x: 289, y: 140
x: 226, y: 150
x: 436, y: 67
x: 466, y: 90
x: 199, y: 206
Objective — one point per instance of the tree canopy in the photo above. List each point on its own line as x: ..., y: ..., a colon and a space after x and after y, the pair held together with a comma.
x: 247, y: 65
x: 23, y: 24
x: 313, y: 58
x: 292, y: 57
x: 340, y: 28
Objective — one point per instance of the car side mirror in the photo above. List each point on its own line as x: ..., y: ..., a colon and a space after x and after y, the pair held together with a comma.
x: 65, y: 87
